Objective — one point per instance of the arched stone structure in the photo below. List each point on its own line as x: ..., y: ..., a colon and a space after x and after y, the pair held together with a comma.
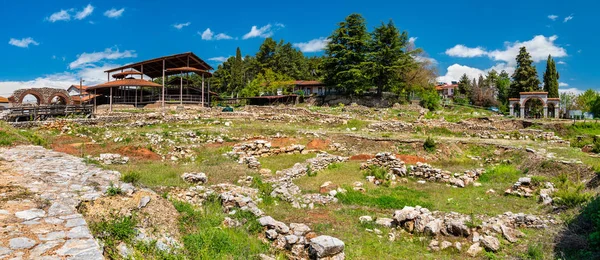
x: 43, y: 95
x: 526, y: 96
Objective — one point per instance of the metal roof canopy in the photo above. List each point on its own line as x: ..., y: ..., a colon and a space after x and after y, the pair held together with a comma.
x: 154, y: 68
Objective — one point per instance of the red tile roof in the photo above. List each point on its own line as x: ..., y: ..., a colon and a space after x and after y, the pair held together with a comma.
x: 309, y: 83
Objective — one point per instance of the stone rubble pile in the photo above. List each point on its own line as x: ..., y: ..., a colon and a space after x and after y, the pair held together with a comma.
x: 523, y: 134
x: 420, y: 220
x: 192, y: 177
x: 247, y: 153
x: 112, y: 158
x: 461, y: 180
x: 525, y: 188
x: 391, y: 126
x: 285, y: 189
x: 388, y: 161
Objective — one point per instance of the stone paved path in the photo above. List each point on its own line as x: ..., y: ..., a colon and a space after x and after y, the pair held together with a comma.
x: 39, y: 192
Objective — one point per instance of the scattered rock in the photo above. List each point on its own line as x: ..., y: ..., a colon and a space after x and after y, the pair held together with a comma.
x: 199, y: 177
x: 325, y: 246
x: 474, y: 250
x: 491, y: 243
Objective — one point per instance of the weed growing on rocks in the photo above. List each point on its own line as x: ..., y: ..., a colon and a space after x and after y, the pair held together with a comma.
x: 113, y: 190
x: 429, y: 145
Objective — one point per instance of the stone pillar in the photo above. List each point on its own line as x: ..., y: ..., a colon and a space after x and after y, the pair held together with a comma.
x: 545, y: 111
x: 556, y: 112
x: 522, y: 115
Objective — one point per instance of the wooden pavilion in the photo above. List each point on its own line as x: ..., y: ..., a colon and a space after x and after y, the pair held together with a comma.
x: 134, y: 84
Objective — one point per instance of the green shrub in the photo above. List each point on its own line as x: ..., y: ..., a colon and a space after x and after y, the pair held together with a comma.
x: 429, y: 145
x: 121, y: 229
x: 430, y: 100
x: 571, y: 195
x: 113, y: 190
x: 131, y: 177
x: 473, y: 221
x: 503, y: 173
x: 539, y: 180
x: 7, y: 139
x: 380, y: 173
x: 535, y: 252
x: 592, y: 214
x: 310, y: 172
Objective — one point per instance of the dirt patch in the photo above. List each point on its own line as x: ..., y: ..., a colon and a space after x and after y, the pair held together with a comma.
x: 410, y: 159
x: 139, y: 153
x: 219, y: 145
x: 73, y: 145
x: 361, y: 157
x: 318, y: 144
x: 159, y: 216
x: 283, y: 141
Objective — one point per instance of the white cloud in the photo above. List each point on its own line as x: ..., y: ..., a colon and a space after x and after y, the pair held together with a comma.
x: 456, y: 71
x: 314, y: 45
x: 181, y: 25
x: 86, y: 59
x: 262, y: 32
x: 114, y: 13
x: 222, y: 36
x: 207, y: 35
x: 539, y: 48
x: 425, y: 59
x: 465, y: 52
x: 85, y: 12
x: 575, y: 91
x: 62, y: 15
x: 568, y: 18
x: 23, y: 43
x: 219, y: 59
x: 412, y: 39
x: 562, y: 84
x: 552, y: 17
x: 561, y: 62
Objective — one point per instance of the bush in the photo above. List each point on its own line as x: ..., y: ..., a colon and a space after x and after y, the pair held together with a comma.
x: 429, y: 145
x: 113, y: 190
x: 380, y: 173
x: 430, y: 100
x: 571, y: 195
x: 592, y: 214
x: 131, y: 177
x: 310, y: 172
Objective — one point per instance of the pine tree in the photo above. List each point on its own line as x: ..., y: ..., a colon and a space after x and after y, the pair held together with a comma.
x: 503, y: 86
x: 464, y: 86
x: 525, y: 76
x: 346, y: 55
x: 237, y: 72
x: 551, y: 78
x: 387, y: 57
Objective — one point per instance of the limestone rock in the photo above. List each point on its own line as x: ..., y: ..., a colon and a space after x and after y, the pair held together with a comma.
x: 325, y: 246
x: 491, y: 243
x: 143, y: 202
x: 445, y: 244
x: 199, y: 177
x: 386, y: 222
x: 474, y: 250
x: 21, y: 243
x: 365, y: 219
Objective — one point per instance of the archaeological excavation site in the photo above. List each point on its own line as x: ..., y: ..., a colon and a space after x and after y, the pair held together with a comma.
x: 298, y: 182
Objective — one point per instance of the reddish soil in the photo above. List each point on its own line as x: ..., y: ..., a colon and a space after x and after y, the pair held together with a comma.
x: 361, y: 157
x: 282, y: 142
x: 73, y: 145
x: 410, y: 159
x: 139, y: 153
x: 318, y: 144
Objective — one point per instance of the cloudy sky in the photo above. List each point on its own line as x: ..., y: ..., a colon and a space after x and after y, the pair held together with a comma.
x: 54, y: 43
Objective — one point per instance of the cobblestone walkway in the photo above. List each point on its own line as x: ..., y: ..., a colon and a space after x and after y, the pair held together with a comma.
x: 39, y: 192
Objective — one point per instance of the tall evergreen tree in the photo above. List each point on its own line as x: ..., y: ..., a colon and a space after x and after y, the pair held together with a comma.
x: 346, y: 55
x: 464, y: 86
x: 387, y: 57
x: 237, y: 72
x: 525, y: 77
x: 503, y: 87
x: 551, y: 78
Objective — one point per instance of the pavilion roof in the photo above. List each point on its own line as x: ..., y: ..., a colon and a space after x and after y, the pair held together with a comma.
x: 154, y: 68
x: 128, y: 82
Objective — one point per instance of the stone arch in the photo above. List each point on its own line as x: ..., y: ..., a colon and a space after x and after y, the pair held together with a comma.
x: 60, y: 95
x: 534, y: 97
x: 18, y: 97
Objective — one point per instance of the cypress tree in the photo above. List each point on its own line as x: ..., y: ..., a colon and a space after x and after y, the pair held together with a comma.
x: 525, y: 76
x: 346, y: 55
x: 464, y: 86
x: 551, y: 78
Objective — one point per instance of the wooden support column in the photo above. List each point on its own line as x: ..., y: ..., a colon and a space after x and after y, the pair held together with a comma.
x: 95, y: 96
x: 208, y: 93
x: 202, y: 90
x: 163, y: 84
x: 111, y: 97
x: 181, y: 89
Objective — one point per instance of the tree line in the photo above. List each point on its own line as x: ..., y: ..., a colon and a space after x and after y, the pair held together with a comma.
x: 355, y: 61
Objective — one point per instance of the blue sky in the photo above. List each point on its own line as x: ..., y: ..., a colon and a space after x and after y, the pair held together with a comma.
x: 53, y: 43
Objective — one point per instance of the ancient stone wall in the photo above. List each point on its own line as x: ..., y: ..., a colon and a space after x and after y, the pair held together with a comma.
x: 43, y: 95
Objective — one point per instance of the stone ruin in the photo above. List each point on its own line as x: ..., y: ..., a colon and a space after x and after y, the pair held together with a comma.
x: 247, y: 153
x: 397, y: 168
x: 418, y: 220
x: 425, y: 171
x: 524, y: 187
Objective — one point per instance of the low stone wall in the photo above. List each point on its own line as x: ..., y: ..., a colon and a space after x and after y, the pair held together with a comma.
x: 425, y: 171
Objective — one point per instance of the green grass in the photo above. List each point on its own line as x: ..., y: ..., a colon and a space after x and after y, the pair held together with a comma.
x: 283, y: 161
x: 385, y: 198
x: 204, y: 237
x: 503, y: 173
x: 113, y: 231
x: 342, y: 174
